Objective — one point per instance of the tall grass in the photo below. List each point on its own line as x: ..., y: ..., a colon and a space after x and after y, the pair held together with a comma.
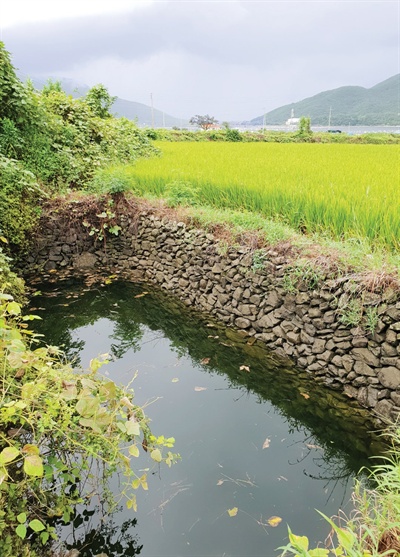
x: 345, y: 191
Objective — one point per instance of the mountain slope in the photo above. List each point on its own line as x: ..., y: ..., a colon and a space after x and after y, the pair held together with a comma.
x: 348, y: 105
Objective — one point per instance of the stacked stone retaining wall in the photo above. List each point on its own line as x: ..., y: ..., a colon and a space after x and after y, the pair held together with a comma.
x: 253, y: 292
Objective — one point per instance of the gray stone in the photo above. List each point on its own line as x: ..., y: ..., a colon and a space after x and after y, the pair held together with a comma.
x: 238, y: 294
x: 302, y: 298
x: 85, y: 261
x: 388, y: 350
x: 319, y: 346
x: 383, y: 409
x: 389, y: 377
x: 273, y: 300
x: 396, y: 398
x: 365, y: 355
x: 361, y: 368
x: 268, y: 321
x: 307, y: 339
x: 242, y: 323
x: 347, y: 362
x: 391, y: 337
x: 293, y: 337
x: 314, y: 312
x: 359, y: 342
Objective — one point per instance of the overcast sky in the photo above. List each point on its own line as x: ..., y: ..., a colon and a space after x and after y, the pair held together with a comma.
x: 232, y: 59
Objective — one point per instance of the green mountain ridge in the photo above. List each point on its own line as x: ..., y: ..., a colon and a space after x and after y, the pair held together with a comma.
x: 354, y: 105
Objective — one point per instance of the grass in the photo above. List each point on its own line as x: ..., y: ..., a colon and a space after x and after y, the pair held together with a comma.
x: 341, y: 191
x: 373, y: 527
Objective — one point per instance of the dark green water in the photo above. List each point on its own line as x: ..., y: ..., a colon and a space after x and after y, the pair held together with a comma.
x: 221, y: 416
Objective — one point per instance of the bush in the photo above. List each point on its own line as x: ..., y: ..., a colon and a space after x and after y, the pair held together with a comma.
x: 181, y: 193
x: 20, y: 198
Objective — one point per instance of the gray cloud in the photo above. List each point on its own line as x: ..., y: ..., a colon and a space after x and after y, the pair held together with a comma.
x: 231, y: 59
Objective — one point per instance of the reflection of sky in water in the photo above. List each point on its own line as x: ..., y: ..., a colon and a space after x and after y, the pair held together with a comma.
x: 220, y: 432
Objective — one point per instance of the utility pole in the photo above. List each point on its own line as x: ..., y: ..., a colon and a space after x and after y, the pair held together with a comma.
x: 330, y: 115
x: 152, y: 110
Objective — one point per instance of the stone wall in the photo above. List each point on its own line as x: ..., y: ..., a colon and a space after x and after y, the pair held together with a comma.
x: 251, y: 292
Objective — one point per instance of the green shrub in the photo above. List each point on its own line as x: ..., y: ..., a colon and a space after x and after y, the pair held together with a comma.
x: 181, y: 193
x: 20, y: 197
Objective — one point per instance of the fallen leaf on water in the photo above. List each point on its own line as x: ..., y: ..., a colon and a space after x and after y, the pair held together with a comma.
x: 140, y: 295
x: 305, y: 395
x: 200, y: 389
x: 205, y: 361
x: 233, y: 512
x: 282, y: 478
x: 213, y: 336
x: 244, y: 368
x: 266, y: 443
x: 309, y: 446
x: 274, y: 521
x: 175, y: 380
x: 220, y: 482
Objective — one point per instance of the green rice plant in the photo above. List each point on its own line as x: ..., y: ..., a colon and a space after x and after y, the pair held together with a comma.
x: 344, y: 190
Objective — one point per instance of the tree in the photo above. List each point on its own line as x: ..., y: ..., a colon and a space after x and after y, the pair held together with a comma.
x: 305, y: 126
x: 100, y: 100
x: 204, y: 122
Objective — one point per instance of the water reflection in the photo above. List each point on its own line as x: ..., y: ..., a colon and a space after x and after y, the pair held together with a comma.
x: 222, y: 396
x: 110, y: 537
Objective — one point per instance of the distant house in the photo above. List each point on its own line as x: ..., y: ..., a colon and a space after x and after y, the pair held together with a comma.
x: 292, y: 121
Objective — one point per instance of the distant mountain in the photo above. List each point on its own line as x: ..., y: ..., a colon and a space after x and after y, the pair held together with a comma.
x: 378, y: 105
x: 139, y: 112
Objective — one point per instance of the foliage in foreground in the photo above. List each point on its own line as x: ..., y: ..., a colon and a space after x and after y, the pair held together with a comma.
x: 373, y: 528
x: 50, y: 141
x: 64, y: 433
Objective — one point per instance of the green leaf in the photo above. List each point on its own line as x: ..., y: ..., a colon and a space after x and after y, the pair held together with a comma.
x: 30, y: 449
x: 3, y: 474
x: 156, y: 455
x: 346, y: 538
x: 8, y: 455
x: 13, y: 308
x: 131, y: 503
x: 134, y: 450
x: 87, y: 406
x: 21, y: 531
x: 33, y: 465
x: 22, y: 518
x: 29, y: 391
x: 132, y: 427
x: 37, y: 525
x: 44, y: 536
x: 299, y: 542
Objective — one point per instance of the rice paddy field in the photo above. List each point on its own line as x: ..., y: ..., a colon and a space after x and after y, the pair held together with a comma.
x: 340, y: 190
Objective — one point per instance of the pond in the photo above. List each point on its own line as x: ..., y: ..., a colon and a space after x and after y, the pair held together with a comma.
x: 253, y: 436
